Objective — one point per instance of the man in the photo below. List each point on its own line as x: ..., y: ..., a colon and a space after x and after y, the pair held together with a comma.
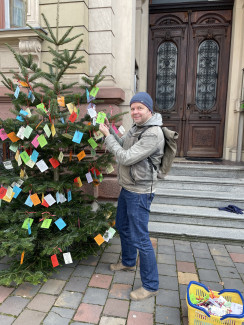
x: 137, y: 177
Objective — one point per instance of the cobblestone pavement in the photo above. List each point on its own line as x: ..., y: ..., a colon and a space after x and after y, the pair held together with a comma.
x: 87, y: 292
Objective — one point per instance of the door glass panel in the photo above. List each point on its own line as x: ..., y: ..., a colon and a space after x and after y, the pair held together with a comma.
x: 207, y: 74
x: 166, y: 76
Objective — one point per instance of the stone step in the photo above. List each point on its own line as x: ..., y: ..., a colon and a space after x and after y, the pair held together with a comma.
x: 195, y: 232
x: 207, y: 170
x: 195, y: 215
x: 198, y: 198
x: 202, y: 183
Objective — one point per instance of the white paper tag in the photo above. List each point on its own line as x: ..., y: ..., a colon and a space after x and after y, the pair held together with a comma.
x: 49, y: 199
x: 67, y: 258
x: 42, y: 165
x: 121, y: 129
x: 20, y: 133
x: 62, y: 198
x: 92, y: 112
x: 8, y: 164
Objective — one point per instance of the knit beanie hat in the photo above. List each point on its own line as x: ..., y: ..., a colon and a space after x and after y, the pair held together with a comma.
x: 143, y: 98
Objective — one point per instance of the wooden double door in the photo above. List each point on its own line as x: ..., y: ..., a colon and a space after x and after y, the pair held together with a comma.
x: 188, y: 62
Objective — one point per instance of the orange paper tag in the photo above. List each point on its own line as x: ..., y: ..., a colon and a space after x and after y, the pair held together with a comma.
x: 81, y: 155
x: 12, y: 136
x: 22, y: 257
x: 99, y: 239
x: 24, y: 84
x: 61, y: 101
x: 35, y: 199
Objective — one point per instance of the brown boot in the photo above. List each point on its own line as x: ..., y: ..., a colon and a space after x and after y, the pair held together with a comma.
x: 141, y: 294
x: 120, y: 267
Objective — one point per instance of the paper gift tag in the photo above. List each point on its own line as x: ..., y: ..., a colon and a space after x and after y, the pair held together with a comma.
x: 3, y: 134
x: 92, y: 143
x: 81, y: 155
x: 45, y: 204
x: 8, y: 199
x: 62, y: 120
x: 54, y: 260
x: 101, y: 117
x: 57, y: 197
x: 70, y: 107
x: 93, y: 153
x: 16, y: 191
x: 28, y: 111
x: 67, y: 258
x: 98, y: 135
x: 22, y: 112
x: 35, y: 141
x: 24, y: 84
x: 60, y: 223
x: 27, y: 132
x: 13, y: 147
x: 87, y: 95
x: 25, y: 157
x: 49, y: 199
x: 77, y: 137
x: 29, y: 229
x: 121, y: 129
x: 99, y: 239
x: 29, y: 202
x: 16, y: 93
x: 53, y: 130
x: 69, y: 196
x: 18, y: 183
x: 54, y: 162
x: 61, y: 156
x: 42, y: 165
x: 73, y: 117
x: 89, y: 178
x: 94, y: 91
x: 111, y: 231
x: 46, y: 223
x: 115, y: 129
x: 32, y: 97
x: 42, y: 107
x: 61, y: 101
x: 20, y: 118
x: 42, y: 140
x: 29, y: 94
x: 78, y: 181
x: 12, y: 136
x: 62, y: 198
x: 67, y: 135
x: 109, y: 169
x: 47, y: 130
x: 8, y: 164
x: 35, y: 199
x: 26, y: 222
x: 106, y: 236
x: 91, y: 111
x: 3, y: 192
x: 20, y: 133
x: 30, y: 163
x: 9, y: 192
x: 34, y: 155
x: 22, y: 257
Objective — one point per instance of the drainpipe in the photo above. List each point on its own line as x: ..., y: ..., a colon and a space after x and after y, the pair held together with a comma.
x: 241, y: 123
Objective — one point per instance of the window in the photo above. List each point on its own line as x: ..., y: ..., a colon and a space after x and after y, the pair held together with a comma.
x: 15, y: 13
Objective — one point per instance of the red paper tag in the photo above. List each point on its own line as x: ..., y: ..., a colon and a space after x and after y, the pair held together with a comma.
x: 3, y: 191
x: 93, y: 170
x: 45, y: 204
x: 73, y: 117
x: 54, y: 260
x: 54, y: 162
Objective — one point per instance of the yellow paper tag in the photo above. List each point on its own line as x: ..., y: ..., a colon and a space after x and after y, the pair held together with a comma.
x: 53, y: 130
x: 8, y: 199
x: 22, y: 173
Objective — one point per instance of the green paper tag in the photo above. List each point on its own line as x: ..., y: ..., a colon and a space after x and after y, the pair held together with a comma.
x: 42, y: 140
x: 28, y: 131
x: 46, y: 223
x: 25, y: 224
x: 93, y: 152
x: 41, y: 106
x: 47, y: 130
x: 92, y: 143
x: 67, y: 135
x: 100, y: 117
x: 111, y: 231
x: 14, y: 147
x: 100, y: 177
x: 25, y: 157
x: 94, y: 91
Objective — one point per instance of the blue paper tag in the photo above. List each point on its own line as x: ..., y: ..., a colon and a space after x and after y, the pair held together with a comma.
x: 16, y: 191
x: 69, y: 196
x: 87, y: 96
x: 22, y: 112
x: 29, y: 202
x: 60, y: 223
x: 29, y: 94
x: 33, y: 98
x: 77, y: 137
x: 34, y: 156
x: 62, y: 120
x: 57, y: 197
x: 20, y: 118
x: 29, y: 229
x: 16, y: 93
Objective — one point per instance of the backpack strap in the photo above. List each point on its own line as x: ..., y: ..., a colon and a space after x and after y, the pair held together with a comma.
x: 151, y: 164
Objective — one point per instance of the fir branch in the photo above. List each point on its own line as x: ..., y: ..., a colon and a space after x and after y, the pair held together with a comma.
x: 55, y: 41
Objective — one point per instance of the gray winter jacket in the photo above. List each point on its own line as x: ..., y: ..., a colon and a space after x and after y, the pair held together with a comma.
x: 134, y: 171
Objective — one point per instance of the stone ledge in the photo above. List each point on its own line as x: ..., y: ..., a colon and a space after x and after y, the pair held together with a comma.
x: 18, y: 33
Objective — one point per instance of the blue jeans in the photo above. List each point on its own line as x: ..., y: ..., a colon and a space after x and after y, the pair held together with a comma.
x: 132, y: 223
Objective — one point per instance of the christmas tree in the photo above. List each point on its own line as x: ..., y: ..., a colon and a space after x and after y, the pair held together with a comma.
x: 46, y: 219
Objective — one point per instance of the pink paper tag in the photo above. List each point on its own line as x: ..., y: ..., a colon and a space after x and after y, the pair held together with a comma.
x: 35, y: 141
x: 3, y: 134
x: 115, y: 129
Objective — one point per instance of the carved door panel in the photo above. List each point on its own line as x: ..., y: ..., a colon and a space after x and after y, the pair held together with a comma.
x: 188, y: 74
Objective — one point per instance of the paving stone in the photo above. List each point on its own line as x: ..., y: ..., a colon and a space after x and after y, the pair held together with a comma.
x: 182, y: 242
x: 204, y: 263
x: 228, y: 272
x: 221, y: 251
x: 166, y: 259
x: 183, y: 248
x: 77, y: 284
x: 183, y: 290
x: 85, y: 271
x: 168, y: 298
x: 91, y: 260
x: 223, y: 260
x: 116, y: 307
x: 4, y: 267
x: 139, y: 318
x: 185, y: 278
x: 120, y: 291
x: 208, y: 275
x: 100, y: 281
x: 186, y: 267
x: 113, y: 249
x: 240, y: 267
x: 168, y: 250
x: 184, y: 257
x: 216, y: 246
x: 59, y: 316
x: 53, y: 287
x: 216, y: 286
x: 26, y: 290
x: 197, y: 245
x: 69, y: 299
x: 126, y: 277
x: 234, y: 249
x: 6, y: 320
x: 146, y: 305
x: 184, y: 308
x: 13, y: 305
x: 80, y: 323
x: 29, y: 317
x: 5, y: 260
x: 137, y: 284
x: 166, y: 269
x: 42, y: 302
x: 95, y: 296
x: 200, y: 253
x: 111, y: 321
x: 62, y: 274
x: 103, y: 268
x: 168, y: 282
x: 88, y: 313
x: 237, y: 258
x: 168, y: 315
x: 5, y: 292
x: 115, y: 240
x: 109, y: 258
x: 165, y: 242
x: 233, y: 284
